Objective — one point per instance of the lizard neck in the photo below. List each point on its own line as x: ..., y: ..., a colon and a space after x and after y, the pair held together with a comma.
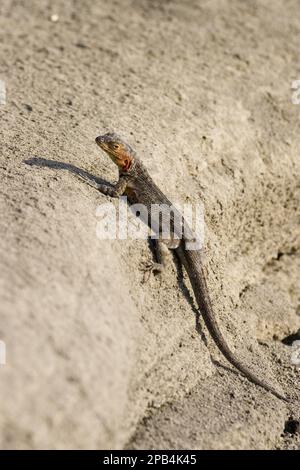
x: 130, y: 169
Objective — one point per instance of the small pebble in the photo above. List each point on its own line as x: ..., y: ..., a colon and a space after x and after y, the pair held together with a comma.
x: 54, y: 18
x: 81, y: 44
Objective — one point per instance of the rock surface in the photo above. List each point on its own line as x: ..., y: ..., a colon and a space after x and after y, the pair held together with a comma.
x: 202, y: 90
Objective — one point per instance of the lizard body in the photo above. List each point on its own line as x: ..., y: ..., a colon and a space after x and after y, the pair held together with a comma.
x: 136, y: 183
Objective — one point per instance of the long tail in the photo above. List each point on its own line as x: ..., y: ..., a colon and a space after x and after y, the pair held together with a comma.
x: 193, y: 265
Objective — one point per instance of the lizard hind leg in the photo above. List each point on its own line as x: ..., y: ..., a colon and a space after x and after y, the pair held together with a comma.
x: 156, y: 267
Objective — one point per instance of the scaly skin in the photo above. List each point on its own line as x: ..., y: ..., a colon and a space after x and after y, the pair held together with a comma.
x: 136, y: 183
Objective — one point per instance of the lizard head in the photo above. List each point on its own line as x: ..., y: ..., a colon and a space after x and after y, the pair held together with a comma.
x: 120, y: 152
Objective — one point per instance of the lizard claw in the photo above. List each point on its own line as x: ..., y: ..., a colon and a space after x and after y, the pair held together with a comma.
x: 149, y: 267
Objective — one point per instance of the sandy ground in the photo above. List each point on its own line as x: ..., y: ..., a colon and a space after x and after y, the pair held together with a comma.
x: 202, y: 90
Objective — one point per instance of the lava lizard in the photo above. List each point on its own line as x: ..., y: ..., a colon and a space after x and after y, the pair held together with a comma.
x: 136, y: 183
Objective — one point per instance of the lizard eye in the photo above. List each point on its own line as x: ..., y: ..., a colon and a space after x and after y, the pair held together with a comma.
x: 116, y: 146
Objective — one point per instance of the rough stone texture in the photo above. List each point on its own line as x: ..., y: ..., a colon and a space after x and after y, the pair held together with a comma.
x: 202, y: 90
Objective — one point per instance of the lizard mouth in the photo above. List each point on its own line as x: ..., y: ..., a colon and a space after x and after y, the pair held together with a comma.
x: 102, y: 144
x: 100, y: 141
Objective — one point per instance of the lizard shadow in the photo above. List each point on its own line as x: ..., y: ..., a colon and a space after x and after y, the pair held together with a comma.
x: 180, y: 279
x: 186, y: 293
x: 56, y: 165
x: 184, y: 289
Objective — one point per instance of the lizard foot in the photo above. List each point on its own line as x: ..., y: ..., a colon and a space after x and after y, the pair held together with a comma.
x: 149, y: 267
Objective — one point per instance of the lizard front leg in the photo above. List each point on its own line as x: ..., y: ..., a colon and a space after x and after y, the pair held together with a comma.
x: 114, y: 190
x: 108, y: 189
